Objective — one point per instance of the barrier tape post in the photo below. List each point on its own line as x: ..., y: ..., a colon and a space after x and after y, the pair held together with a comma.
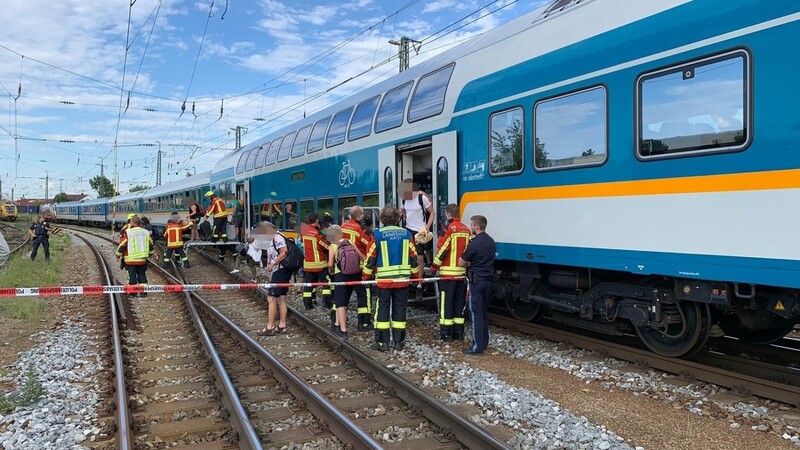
x: 46, y: 291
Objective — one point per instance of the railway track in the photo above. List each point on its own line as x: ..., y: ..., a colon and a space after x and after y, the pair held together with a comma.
x: 16, y: 238
x: 390, y: 409
x: 768, y: 380
x: 197, y: 380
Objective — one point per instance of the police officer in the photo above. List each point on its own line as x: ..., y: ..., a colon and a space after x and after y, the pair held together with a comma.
x: 38, y: 231
x: 391, y: 256
x: 478, y: 258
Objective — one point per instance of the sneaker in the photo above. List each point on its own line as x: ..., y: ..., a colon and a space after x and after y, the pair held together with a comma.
x: 342, y: 334
x: 379, y: 346
x: 235, y: 271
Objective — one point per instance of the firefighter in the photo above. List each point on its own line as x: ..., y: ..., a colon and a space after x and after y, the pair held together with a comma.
x: 354, y: 232
x: 315, y: 264
x: 452, y: 291
x: 135, y: 247
x: 174, y: 235
x: 217, y: 212
x: 127, y: 224
x: 391, y: 256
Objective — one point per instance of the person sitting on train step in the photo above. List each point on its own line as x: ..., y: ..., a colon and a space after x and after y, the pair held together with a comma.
x: 452, y: 291
x: 315, y: 263
x: 392, y: 256
x: 38, y: 231
x: 134, y: 248
x: 174, y: 235
x: 219, y: 214
x: 354, y: 232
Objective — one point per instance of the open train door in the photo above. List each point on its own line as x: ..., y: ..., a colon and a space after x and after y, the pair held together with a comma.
x: 445, y: 178
x: 387, y: 176
x: 243, y: 195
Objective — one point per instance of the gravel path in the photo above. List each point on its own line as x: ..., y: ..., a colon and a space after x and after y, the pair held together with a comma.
x: 67, y: 365
x: 607, y: 394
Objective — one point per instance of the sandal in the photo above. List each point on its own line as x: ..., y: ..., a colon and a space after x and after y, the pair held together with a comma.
x: 282, y: 330
x: 266, y: 332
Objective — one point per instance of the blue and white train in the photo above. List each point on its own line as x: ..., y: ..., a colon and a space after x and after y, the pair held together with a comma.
x: 637, y: 161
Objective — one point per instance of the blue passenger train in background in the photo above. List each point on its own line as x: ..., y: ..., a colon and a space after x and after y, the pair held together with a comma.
x: 638, y: 163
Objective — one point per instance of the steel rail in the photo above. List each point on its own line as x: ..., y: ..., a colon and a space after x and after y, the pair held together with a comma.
x: 464, y: 431
x: 248, y: 439
x: 124, y: 435
x: 342, y: 426
x: 688, y: 369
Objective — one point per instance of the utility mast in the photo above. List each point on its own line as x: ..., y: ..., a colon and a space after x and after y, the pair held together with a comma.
x: 403, y: 50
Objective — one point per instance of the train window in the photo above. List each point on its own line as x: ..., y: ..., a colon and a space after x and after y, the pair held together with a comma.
x: 272, y: 154
x: 370, y: 200
x: 306, y: 208
x: 286, y: 146
x: 299, y: 146
x: 290, y: 212
x: 325, y: 209
x: 343, y: 205
x: 388, y: 183
x: 338, y: 127
x: 251, y: 160
x: 506, y: 141
x: 318, y: 135
x: 390, y: 113
x: 570, y: 130
x: 242, y: 160
x: 696, y: 107
x: 361, y: 124
x: 428, y: 98
x: 262, y: 155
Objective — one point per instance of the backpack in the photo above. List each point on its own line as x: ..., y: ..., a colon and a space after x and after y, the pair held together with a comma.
x: 349, y: 263
x: 294, y: 258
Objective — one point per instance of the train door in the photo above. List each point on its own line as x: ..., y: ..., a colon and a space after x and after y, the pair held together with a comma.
x: 431, y: 164
x: 243, y: 195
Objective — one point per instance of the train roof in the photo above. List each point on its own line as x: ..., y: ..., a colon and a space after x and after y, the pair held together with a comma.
x: 445, y: 58
x: 66, y: 204
x: 89, y: 202
x: 184, y: 184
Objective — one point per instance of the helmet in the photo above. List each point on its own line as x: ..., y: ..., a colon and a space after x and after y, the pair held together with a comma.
x: 209, y: 194
x: 131, y: 215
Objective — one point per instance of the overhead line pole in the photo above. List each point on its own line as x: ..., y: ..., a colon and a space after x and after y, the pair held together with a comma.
x: 404, y: 50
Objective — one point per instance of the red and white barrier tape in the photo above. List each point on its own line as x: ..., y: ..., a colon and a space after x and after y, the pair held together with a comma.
x: 132, y: 289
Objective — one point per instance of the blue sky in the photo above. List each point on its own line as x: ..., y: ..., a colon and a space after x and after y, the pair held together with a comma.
x: 259, y: 62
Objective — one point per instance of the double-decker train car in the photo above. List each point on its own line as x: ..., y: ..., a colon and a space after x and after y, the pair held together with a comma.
x: 636, y: 162
x: 160, y: 202
x: 632, y: 169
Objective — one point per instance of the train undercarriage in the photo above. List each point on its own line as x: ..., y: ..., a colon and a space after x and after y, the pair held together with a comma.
x: 672, y: 317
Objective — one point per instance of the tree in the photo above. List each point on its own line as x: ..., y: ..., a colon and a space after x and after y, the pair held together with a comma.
x: 139, y: 187
x: 507, y: 149
x: 589, y: 152
x: 540, y: 154
x: 60, y: 197
x: 102, y: 185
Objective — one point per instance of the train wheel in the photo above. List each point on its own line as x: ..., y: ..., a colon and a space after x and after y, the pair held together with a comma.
x: 683, y: 338
x: 522, y: 311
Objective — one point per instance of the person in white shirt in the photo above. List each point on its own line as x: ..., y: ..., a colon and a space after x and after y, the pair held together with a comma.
x: 419, y: 215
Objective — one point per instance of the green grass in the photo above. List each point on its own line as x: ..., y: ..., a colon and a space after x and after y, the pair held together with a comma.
x: 20, y: 271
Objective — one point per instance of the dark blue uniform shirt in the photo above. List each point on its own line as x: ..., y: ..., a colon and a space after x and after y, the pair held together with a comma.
x: 480, y: 254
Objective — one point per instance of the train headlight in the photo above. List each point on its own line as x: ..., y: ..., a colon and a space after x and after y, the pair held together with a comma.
x: 687, y: 289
